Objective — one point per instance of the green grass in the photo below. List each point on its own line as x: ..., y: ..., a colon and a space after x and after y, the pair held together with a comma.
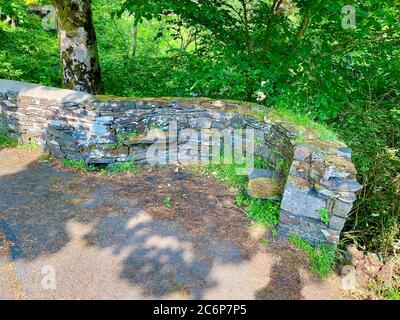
x: 7, y: 142
x: 299, y: 120
x: 46, y: 157
x: 384, y: 291
x: 392, y: 294
x: 322, y: 258
x: 78, y: 165
x: 126, y: 137
x: 110, y: 170
x: 265, y: 212
x: 300, y: 138
x: 226, y: 173
x: 261, y: 163
x: 265, y: 242
x: 30, y: 146
x: 122, y: 167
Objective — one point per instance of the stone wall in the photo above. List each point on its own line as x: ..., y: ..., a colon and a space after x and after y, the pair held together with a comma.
x: 312, y: 178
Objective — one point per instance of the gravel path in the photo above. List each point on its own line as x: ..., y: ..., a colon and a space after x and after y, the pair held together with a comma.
x: 70, y: 235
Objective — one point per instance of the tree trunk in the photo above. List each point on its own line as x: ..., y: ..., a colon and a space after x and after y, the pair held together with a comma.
x: 134, y: 32
x: 246, y: 26
x: 275, y: 6
x: 79, y: 57
x: 304, y: 25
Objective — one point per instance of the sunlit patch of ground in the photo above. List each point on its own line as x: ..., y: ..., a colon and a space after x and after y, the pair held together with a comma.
x: 119, y: 238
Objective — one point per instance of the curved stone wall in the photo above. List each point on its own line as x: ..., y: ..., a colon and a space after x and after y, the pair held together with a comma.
x: 314, y: 179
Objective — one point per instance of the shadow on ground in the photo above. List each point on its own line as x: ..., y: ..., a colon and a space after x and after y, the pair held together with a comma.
x: 196, y: 246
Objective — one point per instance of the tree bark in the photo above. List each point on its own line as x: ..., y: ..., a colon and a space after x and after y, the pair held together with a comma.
x: 78, y: 50
x: 134, y: 32
x: 306, y: 21
x: 304, y: 25
x: 246, y: 26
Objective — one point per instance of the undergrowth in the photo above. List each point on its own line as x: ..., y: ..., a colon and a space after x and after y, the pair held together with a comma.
x: 109, y: 170
x: 382, y: 291
x: 265, y: 212
x: 78, y: 165
x: 305, y: 121
x: 7, y: 142
x: 121, y: 167
x: 47, y: 156
x: 322, y: 258
x: 226, y: 173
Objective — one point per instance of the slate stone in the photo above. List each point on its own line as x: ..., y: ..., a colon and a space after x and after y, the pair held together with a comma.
x: 341, y: 208
x: 336, y: 222
x: 343, y: 185
x: 332, y: 236
x: 301, y: 203
x: 262, y: 173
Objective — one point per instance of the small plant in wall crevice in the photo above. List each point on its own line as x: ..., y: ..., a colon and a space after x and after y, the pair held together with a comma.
x: 324, y: 215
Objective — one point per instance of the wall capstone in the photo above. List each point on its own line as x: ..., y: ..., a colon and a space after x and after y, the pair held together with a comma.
x: 312, y: 177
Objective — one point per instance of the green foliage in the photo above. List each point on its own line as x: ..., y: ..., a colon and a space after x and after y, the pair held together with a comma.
x: 14, y: 9
x: 122, y: 167
x: 124, y: 138
x: 31, y: 53
x: 227, y: 173
x: 372, y: 129
x: 303, y: 121
x: 78, y: 165
x: 391, y: 294
x: 265, y: 242
x: 128, y: 137
x: 167, y: 202
x: 46, y: 157
x: 263, y: 211
x: 384, y: 290
x: 30, y: 146
x: 322, y: 258
x: 7, y: 142
x: 324, y: 215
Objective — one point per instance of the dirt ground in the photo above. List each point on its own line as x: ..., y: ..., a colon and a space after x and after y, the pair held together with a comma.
x: 68, y: 235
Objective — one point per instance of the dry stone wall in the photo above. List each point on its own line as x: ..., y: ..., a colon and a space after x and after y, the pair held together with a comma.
x: 314, y: 179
